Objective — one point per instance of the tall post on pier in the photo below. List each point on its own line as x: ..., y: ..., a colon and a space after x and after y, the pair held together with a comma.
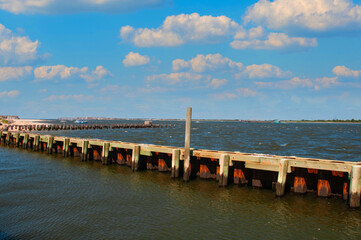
x: 187, y: 143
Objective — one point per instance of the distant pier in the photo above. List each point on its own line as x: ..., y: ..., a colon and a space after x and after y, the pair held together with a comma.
x: 326, y: 178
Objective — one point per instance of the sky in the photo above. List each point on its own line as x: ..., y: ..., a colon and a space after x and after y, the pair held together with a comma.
x: 280, y: 59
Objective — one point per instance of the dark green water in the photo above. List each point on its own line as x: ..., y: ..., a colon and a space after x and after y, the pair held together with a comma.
x: 49, y: 197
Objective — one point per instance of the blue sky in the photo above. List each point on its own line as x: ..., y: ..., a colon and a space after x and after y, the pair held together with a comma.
x: 281, y: 59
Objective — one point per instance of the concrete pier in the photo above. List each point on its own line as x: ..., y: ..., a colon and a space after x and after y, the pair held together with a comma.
x: 283, y: 174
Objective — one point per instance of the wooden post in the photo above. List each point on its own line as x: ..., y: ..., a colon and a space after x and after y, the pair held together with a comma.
x: 50, y: 144
x: 282, y: 176
x: 105, y: 153
x: 36, y: 143
x: 135, y: 158
x: 66, y: 147
x: 223, y: 170
x: 17, y: 137
x: 26, y: 141
x: 175, y: 163
x: 355, y: 186
x: 187, y: 143
x: 84, y: 151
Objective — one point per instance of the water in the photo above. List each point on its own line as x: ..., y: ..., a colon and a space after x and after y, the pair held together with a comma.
x: 50, y: 197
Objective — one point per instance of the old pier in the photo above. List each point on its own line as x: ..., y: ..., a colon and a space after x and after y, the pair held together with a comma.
x: 283, y: 174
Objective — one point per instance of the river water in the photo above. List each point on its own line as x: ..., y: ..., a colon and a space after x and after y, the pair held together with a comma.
x: 50, y: 197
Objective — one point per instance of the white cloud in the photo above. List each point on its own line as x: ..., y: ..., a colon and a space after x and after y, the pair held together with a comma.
x: 63, y: 72
x: 210, y: 62
x: 79, y: 97
x: 10, y: 73
x: 75, y: 6
x: 275, y: 41
x: 155, y: 89
x: 346, y: 72
x: 10, y: 94
x: 216, y: 83
x: 296, y: 82
x: 17, y: 49
x: 314, y: 15
x: 98, y: 74
x: 263, y: 71
x: 135, y: 59
x: 179, y: 29
x: 325, y: 82
x: 57, y: 71
x: 177, y: 78
x: 288, y: 84
x: 239, y: 92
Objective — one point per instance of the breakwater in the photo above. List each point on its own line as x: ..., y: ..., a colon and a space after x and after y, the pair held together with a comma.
x: 56, y: 127
x: 283, y: 174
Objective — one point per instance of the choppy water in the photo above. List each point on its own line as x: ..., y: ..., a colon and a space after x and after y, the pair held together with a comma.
x: 49, y: 197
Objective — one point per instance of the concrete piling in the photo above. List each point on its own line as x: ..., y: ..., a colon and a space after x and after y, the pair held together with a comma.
x: 135, y: 158
x: 282, y: 176
x: 26, y: 141
x: 8, y: 137
x: 50, y: 144
x: 84, y: 150
x: 175, y: 163
x: 355, y: 186
x: 66, y: 147
x: 223, y: 170
x: 17, y: 139
x: 105, y: 153
x: 36, y: 143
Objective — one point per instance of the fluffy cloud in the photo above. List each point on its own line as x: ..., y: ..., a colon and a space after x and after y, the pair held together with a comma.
x: 10, y: 94
x: 135, y: 59
x: 9, y: 73
x: 296, y: 82
x: 239, y: 92
x: 57, y: 71
x: 177, y: 78
x: 179, y: 29
x: 275, y: 41
x: 216, y: 83
x: 16, y: 49
x: 63, y: 72
x: 320, y: 15
x: 75, y: 6
x: 325, y: 82
x: 346, y: 72
x: 210, y: 62
x: 98, y: 74
x: 79, y: 97
x: 263, y: 71
x: 288, y: 84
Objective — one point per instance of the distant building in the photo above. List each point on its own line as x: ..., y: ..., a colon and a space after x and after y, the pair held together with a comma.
x: 9, y: 117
